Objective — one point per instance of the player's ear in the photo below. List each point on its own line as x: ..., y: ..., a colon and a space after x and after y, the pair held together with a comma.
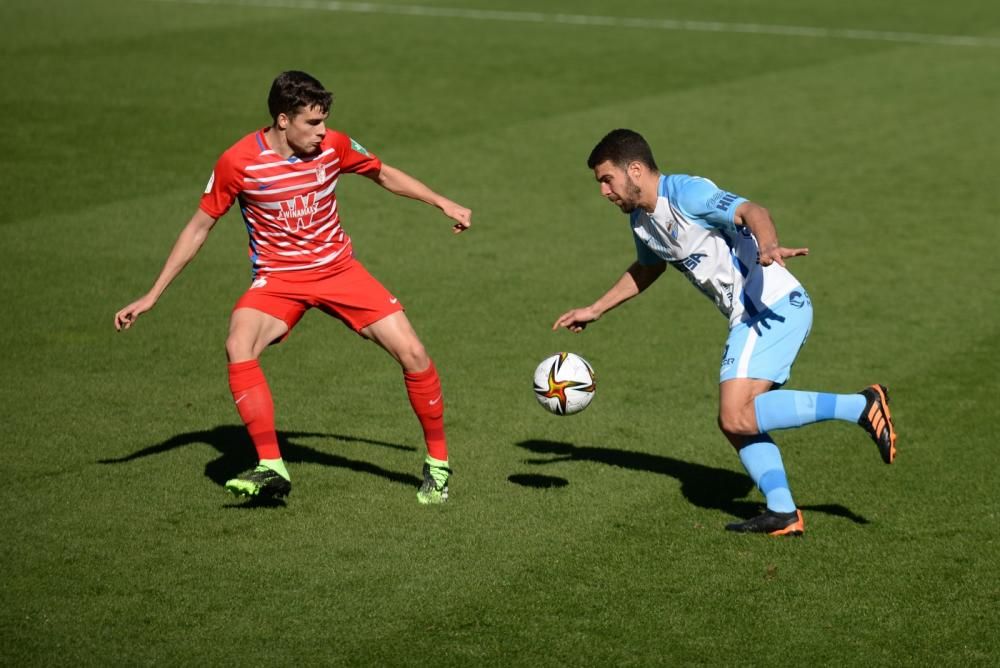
x: 282, y: 121
x: 635, y: 169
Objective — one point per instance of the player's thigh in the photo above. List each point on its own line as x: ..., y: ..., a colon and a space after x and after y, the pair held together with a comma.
x: 250, y: 332
x: 396, y: 335
x: 265, y: 314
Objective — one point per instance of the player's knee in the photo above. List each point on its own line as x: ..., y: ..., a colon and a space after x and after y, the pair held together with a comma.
x: 238, y: 348
x: 412, y: 357
x: 737, y: 423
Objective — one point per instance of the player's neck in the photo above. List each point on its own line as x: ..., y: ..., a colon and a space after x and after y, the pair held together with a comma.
x: 276, y: 141
x: 650, y: 191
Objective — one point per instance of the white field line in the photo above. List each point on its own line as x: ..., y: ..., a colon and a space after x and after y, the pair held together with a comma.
x: 610, y: 21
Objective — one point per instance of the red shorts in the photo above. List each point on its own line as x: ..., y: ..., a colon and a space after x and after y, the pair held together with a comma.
x: 351, y: 294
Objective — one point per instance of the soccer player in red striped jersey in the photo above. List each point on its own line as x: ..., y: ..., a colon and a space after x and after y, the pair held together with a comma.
x: 284, y: 178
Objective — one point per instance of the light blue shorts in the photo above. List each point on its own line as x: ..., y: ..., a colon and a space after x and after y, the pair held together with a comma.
x: 765, y: 346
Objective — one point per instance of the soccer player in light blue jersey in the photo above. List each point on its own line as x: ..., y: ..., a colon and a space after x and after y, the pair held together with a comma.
x: 728, y: 248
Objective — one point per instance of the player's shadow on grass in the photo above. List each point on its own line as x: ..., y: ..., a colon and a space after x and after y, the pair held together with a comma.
x: 237, y: 453
x: 704, y: 486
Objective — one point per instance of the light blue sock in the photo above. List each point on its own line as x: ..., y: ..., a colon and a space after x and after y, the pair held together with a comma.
x: 782, y: 409
x: 762, y: 460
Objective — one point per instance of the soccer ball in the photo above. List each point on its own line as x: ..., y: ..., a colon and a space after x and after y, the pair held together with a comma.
x: 564, y: 384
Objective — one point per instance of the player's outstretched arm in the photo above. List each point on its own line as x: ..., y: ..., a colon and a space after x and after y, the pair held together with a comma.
x: 637, y: 278
x: 188, y: 243
x: 399, y: 182
x: 758, y: 219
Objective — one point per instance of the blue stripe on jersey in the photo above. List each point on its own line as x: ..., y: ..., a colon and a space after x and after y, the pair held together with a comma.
x: 260, y: 142
x: 253, y: 246
x: 744, y: 272
x: 749, y: 306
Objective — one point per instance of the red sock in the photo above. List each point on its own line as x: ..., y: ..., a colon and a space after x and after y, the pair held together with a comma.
x: 424, y: 388
x: 253, y: 401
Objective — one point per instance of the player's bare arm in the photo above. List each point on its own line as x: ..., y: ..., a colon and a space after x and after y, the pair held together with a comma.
x: 758, y: 219
x: 636, y: 278
x: 399, y: 182
x: 188, y: 243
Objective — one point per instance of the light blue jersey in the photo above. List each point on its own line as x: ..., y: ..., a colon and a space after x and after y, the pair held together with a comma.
x: 693, y: 229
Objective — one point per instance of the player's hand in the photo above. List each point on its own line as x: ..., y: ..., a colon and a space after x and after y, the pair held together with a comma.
x: 779, y: 253
x: 458, y: 213
x: 576, y: 320
x: 126, y: 317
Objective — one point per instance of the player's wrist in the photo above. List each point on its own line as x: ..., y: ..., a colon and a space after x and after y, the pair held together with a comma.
x: 447, y: 206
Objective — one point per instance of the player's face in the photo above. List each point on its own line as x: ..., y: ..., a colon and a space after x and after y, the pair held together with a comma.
x: 617, y: 186
x: 305, y: 130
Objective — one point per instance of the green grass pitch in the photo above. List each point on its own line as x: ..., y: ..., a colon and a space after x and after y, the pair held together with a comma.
x: 590, y: 540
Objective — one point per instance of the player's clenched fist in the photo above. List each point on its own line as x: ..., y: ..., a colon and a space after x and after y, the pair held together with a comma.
x: 127, y: 316
x: 461, y: 215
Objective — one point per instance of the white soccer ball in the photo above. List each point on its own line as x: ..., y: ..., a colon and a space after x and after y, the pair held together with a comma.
x: 564, y: 384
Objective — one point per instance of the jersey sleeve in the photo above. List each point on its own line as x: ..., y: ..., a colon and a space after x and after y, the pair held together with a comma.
x: 222, y: 189
x: 356, y: 159
x: 702, y: 199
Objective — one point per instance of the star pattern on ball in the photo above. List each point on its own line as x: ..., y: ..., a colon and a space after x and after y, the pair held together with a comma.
x: 557, y: 389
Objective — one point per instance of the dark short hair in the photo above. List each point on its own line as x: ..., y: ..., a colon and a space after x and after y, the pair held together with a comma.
x: 293, y: 91
x: 622, y: 147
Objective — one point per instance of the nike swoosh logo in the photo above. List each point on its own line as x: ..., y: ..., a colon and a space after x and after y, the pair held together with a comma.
x: 264, y: 186
x: 393, y: 300
x: 434, y: 401
x: 242, y: 397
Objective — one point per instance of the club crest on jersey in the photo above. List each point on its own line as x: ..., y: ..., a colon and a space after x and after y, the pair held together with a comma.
x: 321, y: 174
x: 297, y: 213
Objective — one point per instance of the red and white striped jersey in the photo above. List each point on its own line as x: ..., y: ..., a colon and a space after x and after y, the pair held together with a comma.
x: 289, y: 206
